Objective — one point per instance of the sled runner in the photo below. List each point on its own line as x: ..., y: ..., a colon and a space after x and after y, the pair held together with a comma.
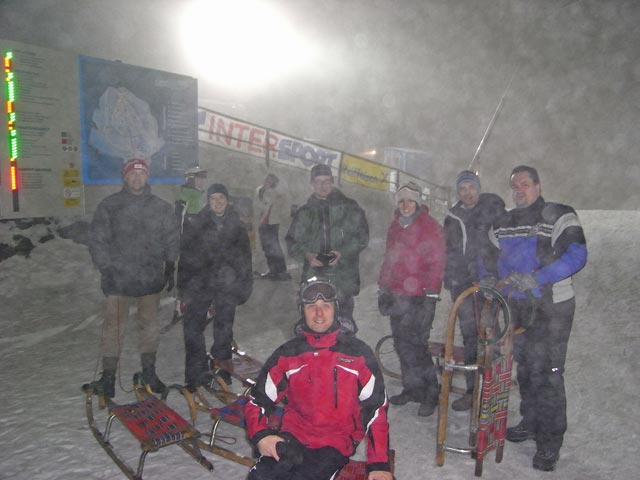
x: 151, y: 422
x: 390, y: 363
x: 488, y: 421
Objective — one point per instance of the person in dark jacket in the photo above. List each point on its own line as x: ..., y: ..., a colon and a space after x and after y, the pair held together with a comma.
x: 466, y: 229
x: 134, y: 242
x: 335, y: 397
x: 410, y: 282
x: 539, y: 246
x: 327, y: 234
x: 215, y: 269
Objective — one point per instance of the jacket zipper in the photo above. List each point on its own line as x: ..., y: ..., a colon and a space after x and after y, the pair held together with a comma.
x: 335, y: 387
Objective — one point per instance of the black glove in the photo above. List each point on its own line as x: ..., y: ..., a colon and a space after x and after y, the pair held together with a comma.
x: 169, y: 269
x: 488, y: 281
x: 290, y: 450
x: 385, y: 302
x: 522, y: 281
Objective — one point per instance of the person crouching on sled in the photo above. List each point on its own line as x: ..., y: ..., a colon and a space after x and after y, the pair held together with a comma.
x: 335, y: 397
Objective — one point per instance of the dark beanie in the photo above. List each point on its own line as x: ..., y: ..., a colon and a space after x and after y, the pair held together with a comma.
x: 321, y: 169
x: 467, y: 176
x: 217, y: 188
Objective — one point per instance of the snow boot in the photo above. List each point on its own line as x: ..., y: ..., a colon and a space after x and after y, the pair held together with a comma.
x: 106, y: 384
x: 546, y: 460
x: 403, y: 398
x: 520, y: 433
x: 463, y: 403
x: 149, y: 376
x: 428, y: 406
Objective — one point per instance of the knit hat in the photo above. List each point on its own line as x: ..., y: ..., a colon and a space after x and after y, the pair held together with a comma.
x: 467, y: 176
x: 409, y: 191
x: 217, y: 188
x: 135, y: 164
x: 321, y: 169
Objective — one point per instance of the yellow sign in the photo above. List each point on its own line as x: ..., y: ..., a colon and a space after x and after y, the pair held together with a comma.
x: 363, y: 172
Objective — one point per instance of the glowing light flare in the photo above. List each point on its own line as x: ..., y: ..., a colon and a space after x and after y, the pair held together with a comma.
x: 14, y: 177
x: 242, y: 44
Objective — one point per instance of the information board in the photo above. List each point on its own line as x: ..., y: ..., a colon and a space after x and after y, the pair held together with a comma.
x: 40, y: 152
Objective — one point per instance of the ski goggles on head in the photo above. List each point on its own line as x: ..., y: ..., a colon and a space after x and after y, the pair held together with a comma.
x: 316, y: 289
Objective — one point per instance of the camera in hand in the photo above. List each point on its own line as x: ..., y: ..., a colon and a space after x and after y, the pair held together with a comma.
x: 326, y: 258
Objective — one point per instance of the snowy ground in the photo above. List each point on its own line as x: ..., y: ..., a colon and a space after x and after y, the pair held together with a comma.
x: 51, y: 321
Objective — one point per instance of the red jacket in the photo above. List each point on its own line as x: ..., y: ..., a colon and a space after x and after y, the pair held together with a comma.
x: 415, y: 256
x: 334, y: 394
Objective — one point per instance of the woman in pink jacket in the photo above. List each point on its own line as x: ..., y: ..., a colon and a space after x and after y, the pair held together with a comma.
x: 410, y: 282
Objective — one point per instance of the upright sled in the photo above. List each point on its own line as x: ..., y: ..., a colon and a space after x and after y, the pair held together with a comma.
x: 488, y: 420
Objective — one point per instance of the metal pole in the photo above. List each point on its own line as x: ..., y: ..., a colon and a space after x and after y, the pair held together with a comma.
x: 490, y: 126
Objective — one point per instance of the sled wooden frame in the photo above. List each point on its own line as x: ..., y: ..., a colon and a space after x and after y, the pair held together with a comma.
x: 175, y: 430
x: 243, y: 368
x: 436, y: 349
x: 488, y: 417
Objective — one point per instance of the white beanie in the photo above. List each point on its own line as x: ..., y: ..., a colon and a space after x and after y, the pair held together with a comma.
x: 409, y: 191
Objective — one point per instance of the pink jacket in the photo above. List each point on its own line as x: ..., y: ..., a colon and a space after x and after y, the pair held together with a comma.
x: 415, y: 256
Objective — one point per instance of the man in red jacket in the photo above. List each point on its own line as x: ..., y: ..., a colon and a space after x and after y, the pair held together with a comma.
x: 410, y: 282
x: 334, y: 394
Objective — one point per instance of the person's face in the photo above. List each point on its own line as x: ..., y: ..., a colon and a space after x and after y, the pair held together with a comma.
x: 469, y: 194
x: 407, y: 207
x: 199, y: 181
x: 136, y: 181
x: 322, y: 185
x: 218, y: 203
x: 319, y: 315
x: 524, y: 190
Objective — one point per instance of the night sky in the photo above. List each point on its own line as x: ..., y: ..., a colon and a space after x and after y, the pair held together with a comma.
x: 421, y: 74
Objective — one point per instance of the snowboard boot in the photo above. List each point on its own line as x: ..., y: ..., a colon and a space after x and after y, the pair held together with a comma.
x: 546, y: 460
x: 106, y: 384
x: 149, y: 376
x: 403, y: 398
x: 520, y: 433
x: 428, y: 406
x: 463, y: 403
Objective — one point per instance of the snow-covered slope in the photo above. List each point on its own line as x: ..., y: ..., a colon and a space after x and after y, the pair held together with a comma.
x: 50, y: 319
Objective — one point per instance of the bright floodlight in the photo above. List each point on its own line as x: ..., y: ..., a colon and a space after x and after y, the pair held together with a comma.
x: 241, y: 44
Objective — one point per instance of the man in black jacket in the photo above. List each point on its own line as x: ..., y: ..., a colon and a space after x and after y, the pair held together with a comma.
x: 466, y: 229
x: 215, y: 269
x: 134, y: 242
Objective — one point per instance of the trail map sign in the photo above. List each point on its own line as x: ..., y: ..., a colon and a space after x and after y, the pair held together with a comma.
x: 69, y: 121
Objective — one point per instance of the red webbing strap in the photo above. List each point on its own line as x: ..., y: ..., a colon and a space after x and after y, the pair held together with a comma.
x: 153, y: 423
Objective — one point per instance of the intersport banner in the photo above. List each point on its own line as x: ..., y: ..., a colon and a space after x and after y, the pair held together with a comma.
x: 368, y: 174
x: 237, y: 135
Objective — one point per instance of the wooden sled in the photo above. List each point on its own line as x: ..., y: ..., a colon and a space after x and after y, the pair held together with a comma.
x: 488, y: 418
x: 151, y: 422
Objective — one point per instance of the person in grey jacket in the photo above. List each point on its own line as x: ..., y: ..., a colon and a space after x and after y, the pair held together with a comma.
x: 134, y: 242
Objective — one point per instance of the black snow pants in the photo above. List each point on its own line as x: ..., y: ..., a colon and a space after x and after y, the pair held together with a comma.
x: 411, y: 321
x: 541, y: 352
